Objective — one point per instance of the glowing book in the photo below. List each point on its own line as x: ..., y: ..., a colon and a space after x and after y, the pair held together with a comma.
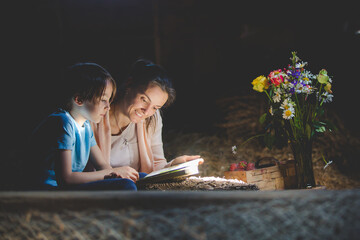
x: 173, y: 173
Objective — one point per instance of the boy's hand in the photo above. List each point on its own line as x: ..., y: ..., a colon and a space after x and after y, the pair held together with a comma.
x: 127, y: 172
x: 185, y: 158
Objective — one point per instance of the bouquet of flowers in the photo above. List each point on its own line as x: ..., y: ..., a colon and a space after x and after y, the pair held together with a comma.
x: 296, y: 105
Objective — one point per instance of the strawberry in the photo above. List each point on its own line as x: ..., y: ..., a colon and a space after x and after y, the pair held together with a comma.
x: 242, y: 165
x: 250, y: 166
x: 233, y: 167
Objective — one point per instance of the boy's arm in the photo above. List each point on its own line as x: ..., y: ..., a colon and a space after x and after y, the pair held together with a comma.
x: 65, y: 175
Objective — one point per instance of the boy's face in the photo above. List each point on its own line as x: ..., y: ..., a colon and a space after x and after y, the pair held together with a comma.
x: 95, y: 111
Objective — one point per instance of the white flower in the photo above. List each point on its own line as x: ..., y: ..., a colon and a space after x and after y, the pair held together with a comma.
x: 308, y: 89
x: 277, y: 95
x: 287, y: 103
x: 271, y: 111
x: 299, y: 88
x: 327, y: 97
x: 327, y: 164
x: 309, y: 75
x: 288, y: 113
x: 288, y: 107
x: 234, y: 149
x: 300, y: 65
x: 306, y: 80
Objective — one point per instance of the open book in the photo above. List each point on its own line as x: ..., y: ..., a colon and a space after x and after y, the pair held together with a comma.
x: 173, y: 173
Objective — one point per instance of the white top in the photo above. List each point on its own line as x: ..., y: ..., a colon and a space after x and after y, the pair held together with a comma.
x: 124, y: 149
x: 146, y: 156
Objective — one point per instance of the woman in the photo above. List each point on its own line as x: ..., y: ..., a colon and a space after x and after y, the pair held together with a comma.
x: 130, y: 134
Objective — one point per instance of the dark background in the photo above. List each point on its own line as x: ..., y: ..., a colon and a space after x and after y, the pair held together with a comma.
x: 211, y: 49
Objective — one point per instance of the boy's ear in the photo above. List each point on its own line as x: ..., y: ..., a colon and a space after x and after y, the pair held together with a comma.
x: 78, y: 100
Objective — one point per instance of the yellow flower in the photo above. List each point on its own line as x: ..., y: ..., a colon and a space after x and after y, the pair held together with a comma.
x: 328, y: 88
x: 260, y: 83
x: 323, y: 77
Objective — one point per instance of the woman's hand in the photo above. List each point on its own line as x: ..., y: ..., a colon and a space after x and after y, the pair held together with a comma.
x: 127, y: 172
x: 185, y: 158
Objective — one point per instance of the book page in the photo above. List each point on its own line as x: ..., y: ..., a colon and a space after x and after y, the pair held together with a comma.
x: 176, y: 167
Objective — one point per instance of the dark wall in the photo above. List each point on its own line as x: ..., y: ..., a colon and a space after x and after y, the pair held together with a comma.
x: 211, y: 49
x: 217, y: 48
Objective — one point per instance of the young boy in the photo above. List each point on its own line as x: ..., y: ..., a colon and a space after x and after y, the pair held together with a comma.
x: 62, y: 144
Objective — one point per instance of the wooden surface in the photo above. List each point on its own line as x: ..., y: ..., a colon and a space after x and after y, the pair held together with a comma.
x: 60, y: 200
x: 286, y: 214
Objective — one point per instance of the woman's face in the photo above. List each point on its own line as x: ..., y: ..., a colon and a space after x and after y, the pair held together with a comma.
x: 145, y: 104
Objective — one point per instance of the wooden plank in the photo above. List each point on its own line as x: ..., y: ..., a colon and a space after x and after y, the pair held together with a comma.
x: 290, y: 171
x: 266, y: 185
x: 279, y: 183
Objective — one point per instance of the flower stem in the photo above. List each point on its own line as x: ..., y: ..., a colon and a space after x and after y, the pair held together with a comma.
x: 259, y: 135
x: 268, y: 95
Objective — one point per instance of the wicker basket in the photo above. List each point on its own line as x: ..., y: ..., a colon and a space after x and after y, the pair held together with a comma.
x: 280, y: 176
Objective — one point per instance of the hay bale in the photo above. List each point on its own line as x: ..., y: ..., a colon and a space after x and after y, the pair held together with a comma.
x: 201, y: 184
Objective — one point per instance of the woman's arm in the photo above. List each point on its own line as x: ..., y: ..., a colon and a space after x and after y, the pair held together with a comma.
x: 157, y: 144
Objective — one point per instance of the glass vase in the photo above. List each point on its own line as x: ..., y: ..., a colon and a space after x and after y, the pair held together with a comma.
x: 302, y: 151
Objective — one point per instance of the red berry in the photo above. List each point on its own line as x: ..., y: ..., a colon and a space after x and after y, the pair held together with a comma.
x: 250, y: 166
x: 242, y: 165
x: 233, y: 167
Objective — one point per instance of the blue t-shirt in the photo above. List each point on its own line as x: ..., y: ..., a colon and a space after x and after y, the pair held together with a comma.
x: 59, y: 131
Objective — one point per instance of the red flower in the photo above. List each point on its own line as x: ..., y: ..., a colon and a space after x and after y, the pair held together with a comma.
x: 276, y: 77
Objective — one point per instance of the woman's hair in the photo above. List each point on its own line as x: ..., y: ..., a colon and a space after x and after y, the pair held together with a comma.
x: 86, y: 81
x: 144, y: 74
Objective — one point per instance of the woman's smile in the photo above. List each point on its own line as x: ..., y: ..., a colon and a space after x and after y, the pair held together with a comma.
x: 138, y: 114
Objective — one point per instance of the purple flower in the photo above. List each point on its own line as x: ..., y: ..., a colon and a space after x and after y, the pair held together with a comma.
x: 295, y: 73
x: 292, y: 90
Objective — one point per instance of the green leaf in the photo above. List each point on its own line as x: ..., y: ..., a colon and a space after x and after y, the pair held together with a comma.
x: 308, y: 131
x: 269, y: 140
x: 320, y: 111
x: 271, y: 92
x: 262, y: 118
x: 320, y: 129
x: 330, y: 126
x: 297, y: 123
x: 319, y: 126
